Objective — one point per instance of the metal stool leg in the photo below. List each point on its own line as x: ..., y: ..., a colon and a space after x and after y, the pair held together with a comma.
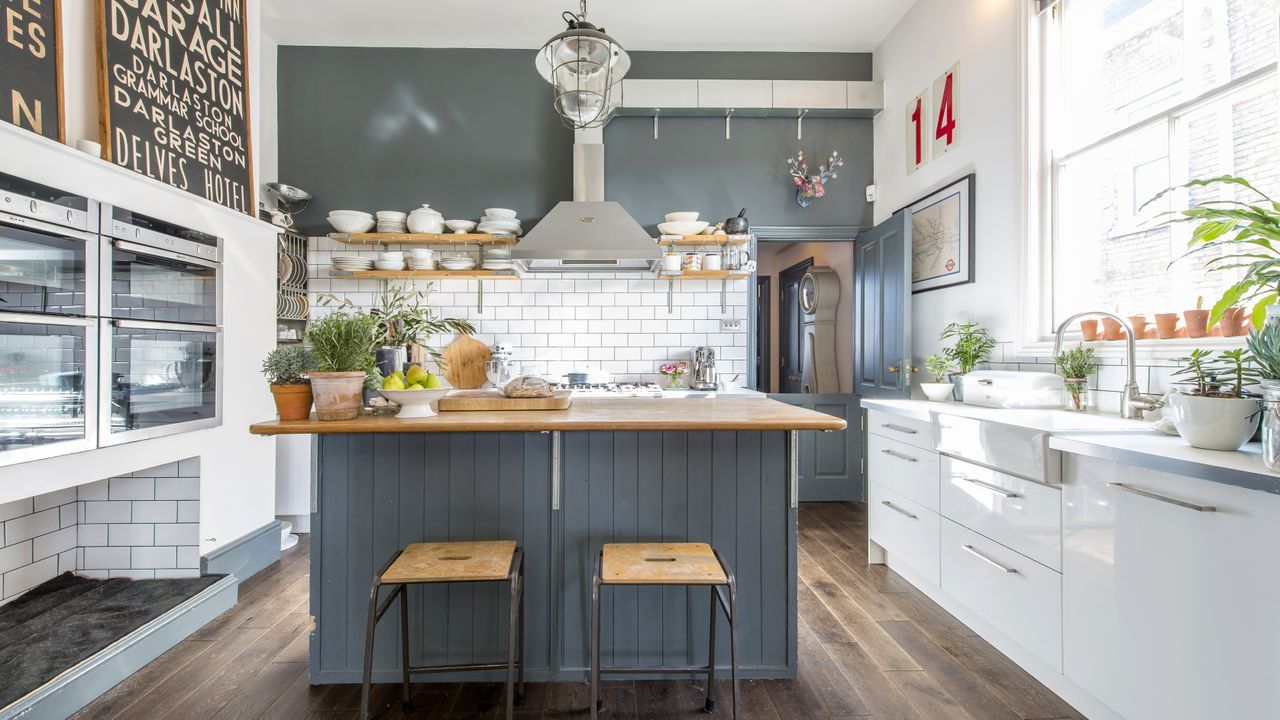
x: 710, y: 705
x: 733, y: 640
x: 596, y: 702
x: 520, y: 641
x: 406, y: 698
x: 368, y: 649
x: 513, y: 630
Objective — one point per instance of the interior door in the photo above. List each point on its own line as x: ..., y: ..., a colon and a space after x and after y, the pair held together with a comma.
x: 791, y: 322
x: 882, y: 309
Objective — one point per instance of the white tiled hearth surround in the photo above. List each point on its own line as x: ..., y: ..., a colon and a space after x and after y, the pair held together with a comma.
x: 142, y: 525
x: 559, y: 322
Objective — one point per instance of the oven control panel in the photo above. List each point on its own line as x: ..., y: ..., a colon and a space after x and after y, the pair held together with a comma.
x: 25, y: 199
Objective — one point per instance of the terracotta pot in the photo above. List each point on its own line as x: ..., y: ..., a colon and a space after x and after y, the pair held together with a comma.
x: 1139, y: 325
x: 1235, y: 322
x: 1215, y: 331
x: 1181, y: 333
x: 1196, y: 322
x: 293, y: 402
x: 1166, y: 325
x: 338, y: 395
x: 1089, y: 330
x: 1111, y: 329
x: 1150, y: 334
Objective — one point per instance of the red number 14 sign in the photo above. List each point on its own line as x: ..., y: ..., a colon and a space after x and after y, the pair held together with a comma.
x: 933, y: 132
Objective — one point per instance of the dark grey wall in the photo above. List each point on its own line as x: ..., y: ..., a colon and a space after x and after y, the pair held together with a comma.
x: 391, y: 128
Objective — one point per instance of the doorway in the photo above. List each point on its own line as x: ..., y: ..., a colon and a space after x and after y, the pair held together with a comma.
x: 764, y: 344
x: 792, y: 322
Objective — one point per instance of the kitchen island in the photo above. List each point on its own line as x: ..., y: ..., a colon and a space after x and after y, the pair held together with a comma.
x: 560, y: 483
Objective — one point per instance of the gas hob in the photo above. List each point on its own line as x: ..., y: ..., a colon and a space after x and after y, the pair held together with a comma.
x: 612, y: 389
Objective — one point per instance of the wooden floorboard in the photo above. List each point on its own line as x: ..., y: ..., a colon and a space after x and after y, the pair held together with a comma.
x: 871, y: 647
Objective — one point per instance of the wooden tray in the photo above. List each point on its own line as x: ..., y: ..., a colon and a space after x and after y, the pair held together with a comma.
x: 494, y: 400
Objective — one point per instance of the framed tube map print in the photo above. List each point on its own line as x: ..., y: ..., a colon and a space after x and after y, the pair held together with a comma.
x: 942, y: 237
x: 31, y: 66
x: 173, y: 94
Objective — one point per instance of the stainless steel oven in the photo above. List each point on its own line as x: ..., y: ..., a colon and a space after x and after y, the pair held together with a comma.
x: 158, y: 379
x: 156, y: 271
x: 48, y: 386
x: 48, y: 250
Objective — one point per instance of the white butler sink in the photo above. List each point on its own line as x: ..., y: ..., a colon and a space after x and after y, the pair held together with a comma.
x: 1013, y: 389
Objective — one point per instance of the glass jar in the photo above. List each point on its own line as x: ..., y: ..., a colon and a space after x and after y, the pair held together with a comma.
x: 1075, y: 394
x: 1271, y: 423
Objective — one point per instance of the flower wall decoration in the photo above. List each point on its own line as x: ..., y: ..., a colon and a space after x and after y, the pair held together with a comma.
x: 809, y: 187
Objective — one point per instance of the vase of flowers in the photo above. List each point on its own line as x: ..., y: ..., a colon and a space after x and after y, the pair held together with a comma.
x: 673, y: 372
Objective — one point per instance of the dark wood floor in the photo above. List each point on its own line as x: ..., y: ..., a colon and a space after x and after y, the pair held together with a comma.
x: 871, y: 646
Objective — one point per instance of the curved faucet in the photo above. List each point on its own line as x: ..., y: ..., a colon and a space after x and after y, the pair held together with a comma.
x: 1132, y: 402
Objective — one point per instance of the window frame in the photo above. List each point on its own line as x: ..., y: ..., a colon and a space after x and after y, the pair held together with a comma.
x: 1038, y: 96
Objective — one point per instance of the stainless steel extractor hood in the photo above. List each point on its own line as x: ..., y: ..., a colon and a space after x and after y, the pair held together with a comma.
x: 587, y: 234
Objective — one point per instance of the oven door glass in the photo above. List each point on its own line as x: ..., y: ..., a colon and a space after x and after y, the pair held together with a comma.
x: 161, y: 286
x: 48, y: 374
x: 159, y: 379
x: 44, y: 269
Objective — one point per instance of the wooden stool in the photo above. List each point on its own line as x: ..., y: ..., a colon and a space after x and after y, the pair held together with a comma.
x: 450, y: 562
x: 666, y: 564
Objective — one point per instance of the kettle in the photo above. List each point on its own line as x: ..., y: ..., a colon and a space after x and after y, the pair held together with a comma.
x: 737, y: 225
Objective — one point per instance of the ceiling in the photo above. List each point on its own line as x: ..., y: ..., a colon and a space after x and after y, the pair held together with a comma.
x: 760, y: 25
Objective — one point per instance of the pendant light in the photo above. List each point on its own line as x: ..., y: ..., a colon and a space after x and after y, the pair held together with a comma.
x: 582, y: 64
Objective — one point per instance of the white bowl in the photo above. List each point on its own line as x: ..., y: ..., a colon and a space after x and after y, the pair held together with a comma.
x: 682, y: 216
x: 682, y: 228
x: 349, y: 224
x: 422, y: 253
x: 392, y: 215
x: 460, y: 226
x: 500, y: 213
x: 391, y: 255
x: 352, y: 213
x: 415, y: 403
x: 389, y: 264
x: 1211, y: 423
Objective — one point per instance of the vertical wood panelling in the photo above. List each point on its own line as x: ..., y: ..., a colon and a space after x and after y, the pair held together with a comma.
x: 675, y: 528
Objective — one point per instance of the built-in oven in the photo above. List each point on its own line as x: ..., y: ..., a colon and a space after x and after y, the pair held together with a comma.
x: 48, y: 250
x: 48, y: 384
x: 158, y: 379
x: 156, y: 271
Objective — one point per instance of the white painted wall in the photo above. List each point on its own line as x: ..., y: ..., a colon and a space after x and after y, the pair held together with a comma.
x: 982, y: 35
x: 237, y: 484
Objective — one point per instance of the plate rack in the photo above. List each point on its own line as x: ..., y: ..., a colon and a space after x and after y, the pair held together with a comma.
x: 292, y: 301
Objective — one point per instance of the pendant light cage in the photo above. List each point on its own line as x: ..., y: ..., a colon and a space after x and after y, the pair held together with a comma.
x: 582, y: 64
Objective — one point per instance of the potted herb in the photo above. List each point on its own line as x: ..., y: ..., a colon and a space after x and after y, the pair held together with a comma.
x: 343, y: 343
x: 403, y: 317
x: 1212, y: 408
x: 940, y: 389
x: 286, y: 369
x: 1076, y: 364
x: 973, y: 346
x: 1264, y: 345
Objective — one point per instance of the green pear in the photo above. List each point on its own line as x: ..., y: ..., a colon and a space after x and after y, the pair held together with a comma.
x: 433, y: 380
x: 393, y: 382
x: 416, y: 374
x: 416, y: 386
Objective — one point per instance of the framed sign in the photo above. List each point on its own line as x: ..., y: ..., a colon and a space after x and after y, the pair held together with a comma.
x: 31, y: 66
x: 917, y: 125
x: 173, y: 94
x: 942, y: 244
x: 946, y: 131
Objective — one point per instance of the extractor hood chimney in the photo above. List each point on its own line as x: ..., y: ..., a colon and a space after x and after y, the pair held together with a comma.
x: 587, y: 234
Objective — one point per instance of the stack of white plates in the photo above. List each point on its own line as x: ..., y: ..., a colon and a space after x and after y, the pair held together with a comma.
x: 497, y: 258
x: 351, y: 263
x: 421, y: 263
x: 500, y: 221
x: 457, y: 262
x: 391, y: 221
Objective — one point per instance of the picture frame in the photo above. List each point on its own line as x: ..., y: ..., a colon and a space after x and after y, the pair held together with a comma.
x: 942, y: 236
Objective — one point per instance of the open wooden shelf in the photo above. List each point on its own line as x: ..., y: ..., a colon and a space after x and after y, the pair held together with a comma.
x: 420, y: 239
x: 706, y: 240
x: 706, y: 275
x: 424, y: 274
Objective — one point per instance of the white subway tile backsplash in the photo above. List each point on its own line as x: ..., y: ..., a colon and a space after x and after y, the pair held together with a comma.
x: 154, y: 557
x: 55, y: 499
x: 91, y: 535
x: 131, y: 534
x: 55, y: 543
x: 106, y: 558
x: 179, y: 488
x: 155, y: 511
x: 15, y: 556
x: 26, y: 577
x: 135, y: 488
x: 189, y: 512
x: 112, y: 511
x: 17, y: 508
x: 189, y: 557
x: 29, y: 526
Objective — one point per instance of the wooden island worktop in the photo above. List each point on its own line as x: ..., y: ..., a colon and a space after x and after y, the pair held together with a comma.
x: 718, y: 413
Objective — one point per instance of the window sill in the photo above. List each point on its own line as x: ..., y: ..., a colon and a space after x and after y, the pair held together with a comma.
x: 1144, y: 349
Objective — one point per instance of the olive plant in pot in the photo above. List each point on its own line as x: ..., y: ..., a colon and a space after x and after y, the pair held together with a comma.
x: 404, y: 316
x: 1076, y: 364
x: 1213, y: 408
x: 343, y: 343
x: 973, y: 346
x: 941, y: 389
x: 286, y: 369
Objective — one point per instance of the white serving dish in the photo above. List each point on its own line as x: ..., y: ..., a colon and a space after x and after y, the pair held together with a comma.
x: 500, y: 213
x: 1012, y: 389
x: 682, y: 216
x: 350, y: 213
x: 682, y: 228
x: 415, y: 403
x: 460, y: 226
x: 392, y: 265
x: 351, y: 224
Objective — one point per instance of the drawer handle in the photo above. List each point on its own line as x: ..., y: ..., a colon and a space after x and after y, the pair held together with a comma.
x: 897, y: 509
x: 987, y: 486
x: 1162, y: 498
x: 974, y: 552
x: 899, y: 428
x: 900, y: 456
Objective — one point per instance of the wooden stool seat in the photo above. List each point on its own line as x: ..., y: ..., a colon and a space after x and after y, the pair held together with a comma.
x: 661, y: 564
x: 452, y: 562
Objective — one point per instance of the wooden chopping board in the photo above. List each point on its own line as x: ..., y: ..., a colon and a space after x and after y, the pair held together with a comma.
x: 494, y: 400
x: 464, y: 362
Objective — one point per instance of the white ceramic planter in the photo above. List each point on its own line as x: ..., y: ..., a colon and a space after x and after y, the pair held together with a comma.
x: 938, y: 392
x: 1211, y: 423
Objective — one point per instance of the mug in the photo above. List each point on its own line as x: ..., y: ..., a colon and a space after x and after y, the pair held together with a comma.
x: 692, y: 261
x: 711, y: 261
x: 671, y: 262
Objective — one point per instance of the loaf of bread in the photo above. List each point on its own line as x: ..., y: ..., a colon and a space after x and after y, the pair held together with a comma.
x: 527, y: 386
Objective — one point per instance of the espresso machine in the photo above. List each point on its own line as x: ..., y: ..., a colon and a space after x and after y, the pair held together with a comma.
x: 703, y: 376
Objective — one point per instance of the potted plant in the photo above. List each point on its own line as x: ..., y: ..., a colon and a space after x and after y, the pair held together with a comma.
x: 1112, y: 329
x: 343, y: 343
x: 973, y: 346
x: 1213, y: 409
x: 1264, y: 345
x: 941, y: 389
x: 1167, y: 325
x: 1197, y: 320
x: 403, y: 317
x: 1089, y: 329
x: 1076, y: 364
x: 286, y: 369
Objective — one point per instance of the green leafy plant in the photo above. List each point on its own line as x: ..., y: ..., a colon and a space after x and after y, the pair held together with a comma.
x: 1264, y: 346
x: 1242, y: 235
x: 288, y: 365
x: 937, y: 366
x: 1225, y: 375
x: 1077, y: 362
x: 344, y: 341
x: 973, y: 345
x: 403, y: 316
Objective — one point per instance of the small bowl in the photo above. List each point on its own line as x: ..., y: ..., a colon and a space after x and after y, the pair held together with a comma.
x: 392, y: 265
x: 682, y: 228
x: 348, y: 224
x: 422, y: 253
x: 415, y: 403
x: 504, y: 213
x: 391, y: 255
x: 682, y: 216
x: 460, y: 226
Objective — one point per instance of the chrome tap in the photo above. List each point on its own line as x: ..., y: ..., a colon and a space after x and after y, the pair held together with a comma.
x: 1132, y: 403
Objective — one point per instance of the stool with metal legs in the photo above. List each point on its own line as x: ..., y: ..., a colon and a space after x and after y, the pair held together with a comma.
x: 666, y: 564
x: 449, y: 562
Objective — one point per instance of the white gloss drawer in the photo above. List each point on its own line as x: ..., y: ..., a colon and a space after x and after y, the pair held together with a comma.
x: 1024, y: 515
x: 907, y: 430
x: 907, y: 530
x: 905, y: 469
x: 1015, y: 594
x: 1009, y: 448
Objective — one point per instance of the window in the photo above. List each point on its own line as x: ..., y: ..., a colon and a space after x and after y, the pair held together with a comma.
x: 1138, y: 96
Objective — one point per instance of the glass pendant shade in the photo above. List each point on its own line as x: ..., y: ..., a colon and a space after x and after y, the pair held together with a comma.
x: 582, y: 66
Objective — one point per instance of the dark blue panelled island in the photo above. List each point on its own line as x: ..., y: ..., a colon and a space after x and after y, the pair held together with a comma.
x: 561, y: 484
